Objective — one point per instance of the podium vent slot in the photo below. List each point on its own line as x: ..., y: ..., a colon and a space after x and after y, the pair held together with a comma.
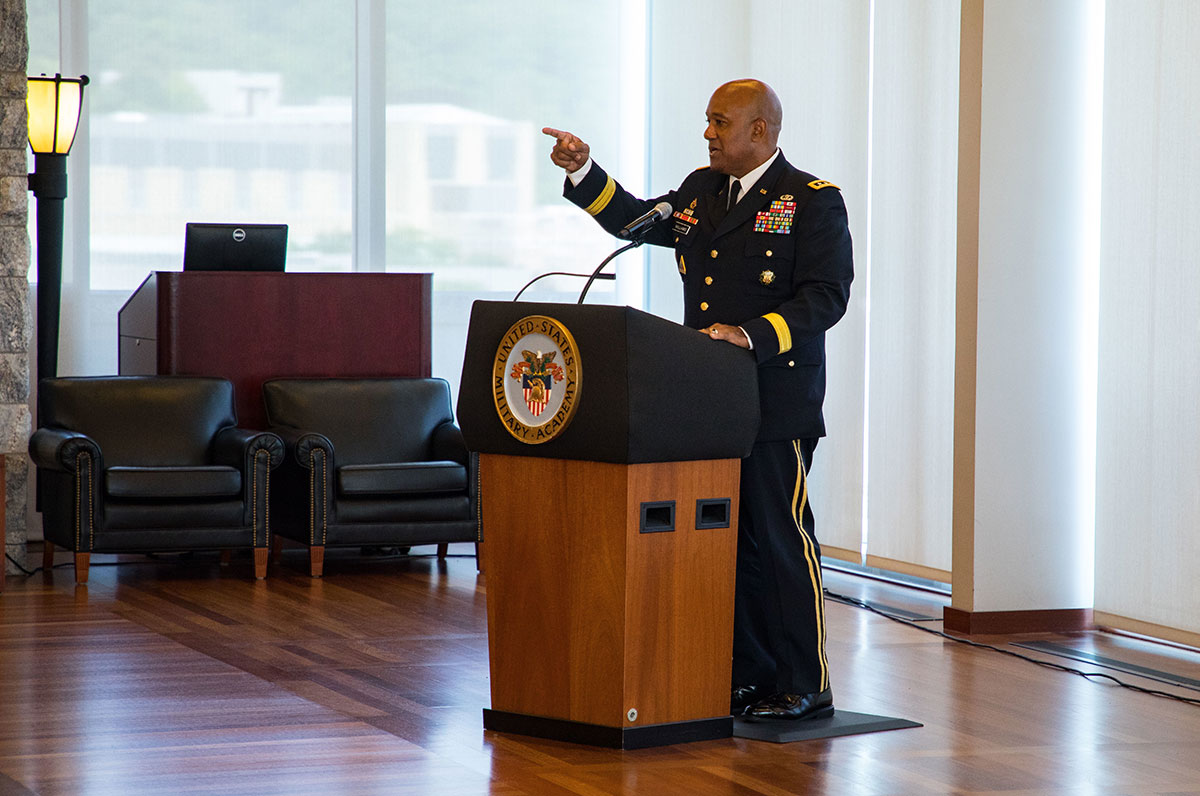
x: 712, y: 513
x: 658, y: 516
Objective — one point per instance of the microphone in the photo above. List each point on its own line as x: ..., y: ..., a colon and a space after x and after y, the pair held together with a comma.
x: 661, y: 210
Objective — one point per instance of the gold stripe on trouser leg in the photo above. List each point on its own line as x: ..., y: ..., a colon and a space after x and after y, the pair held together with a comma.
x: 799, y: 501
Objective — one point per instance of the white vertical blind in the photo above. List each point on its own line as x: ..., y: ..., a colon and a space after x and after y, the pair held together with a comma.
x: 1148, y: 445
x: 815, y: 54
x: 694, y: 47
x: 913, y: 205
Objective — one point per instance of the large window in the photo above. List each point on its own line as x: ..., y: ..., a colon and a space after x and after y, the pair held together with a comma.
x: 217, y: 110
x: 471, y: 194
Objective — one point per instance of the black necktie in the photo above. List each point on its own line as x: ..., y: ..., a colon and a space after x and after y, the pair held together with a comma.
x: 734, y: 189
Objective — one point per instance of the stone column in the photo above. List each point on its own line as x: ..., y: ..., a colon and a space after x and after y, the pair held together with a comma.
x: 15, y: 318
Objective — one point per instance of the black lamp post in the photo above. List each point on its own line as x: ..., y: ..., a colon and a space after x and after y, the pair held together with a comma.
x: 54, y: 104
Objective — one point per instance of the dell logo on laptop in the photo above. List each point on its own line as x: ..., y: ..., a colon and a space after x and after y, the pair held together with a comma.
x: 239, y: 235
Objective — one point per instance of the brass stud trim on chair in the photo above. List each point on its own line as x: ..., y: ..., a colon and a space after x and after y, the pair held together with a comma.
x: 82, y: 458
x: 254, y: 503
x: 478, y: 502
x: 312, y: 497
x: 266, y: 496
x: 313, y: 456
x: 267, y: 500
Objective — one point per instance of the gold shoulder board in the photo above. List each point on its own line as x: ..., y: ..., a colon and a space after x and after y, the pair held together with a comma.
x: 817, y: 185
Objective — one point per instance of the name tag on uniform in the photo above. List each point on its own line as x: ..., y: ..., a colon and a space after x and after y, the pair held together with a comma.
x: 777, y: 218
x: 684, y: 221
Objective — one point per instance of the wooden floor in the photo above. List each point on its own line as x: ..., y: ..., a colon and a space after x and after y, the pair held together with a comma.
x: 178, y: 675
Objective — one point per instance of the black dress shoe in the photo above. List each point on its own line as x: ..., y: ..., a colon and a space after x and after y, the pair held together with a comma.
x: 743, y: 697
x: 793, y: 707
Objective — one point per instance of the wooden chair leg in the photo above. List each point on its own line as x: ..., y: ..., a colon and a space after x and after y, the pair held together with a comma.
x: 316, y: 560
x: 276, y: 547
x: 442, y: 548
x: 47, y: 555
x: 226, y: 556
x: 82, y: 562
x: 260, y: 562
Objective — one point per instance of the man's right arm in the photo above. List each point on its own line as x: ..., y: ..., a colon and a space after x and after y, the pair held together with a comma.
x: 590, y: 187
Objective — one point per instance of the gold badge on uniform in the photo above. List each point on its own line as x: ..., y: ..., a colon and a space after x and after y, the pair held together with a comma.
x: 766, y: 277
x: 692, y: 206
x: 787, y: 197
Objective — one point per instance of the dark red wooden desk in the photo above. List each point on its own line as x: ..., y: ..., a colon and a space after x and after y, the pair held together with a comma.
x: 251, y: 327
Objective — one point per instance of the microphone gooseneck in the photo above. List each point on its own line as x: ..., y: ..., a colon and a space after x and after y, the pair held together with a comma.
x: 642, y: 223
x: 596, y: 274
x: 560, y: 273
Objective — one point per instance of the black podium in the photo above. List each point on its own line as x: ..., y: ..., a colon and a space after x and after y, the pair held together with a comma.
x: 609, y: 444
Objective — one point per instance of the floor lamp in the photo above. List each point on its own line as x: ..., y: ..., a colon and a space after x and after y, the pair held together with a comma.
x: 54, y: 105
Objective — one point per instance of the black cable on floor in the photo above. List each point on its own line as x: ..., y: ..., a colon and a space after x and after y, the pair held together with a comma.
x: 19, y: 566
x: 857, y: 603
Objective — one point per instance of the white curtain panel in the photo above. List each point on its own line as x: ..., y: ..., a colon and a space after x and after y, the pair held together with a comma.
x: 914, y: 142
x: 1148, y: 415
x: 815, y: 53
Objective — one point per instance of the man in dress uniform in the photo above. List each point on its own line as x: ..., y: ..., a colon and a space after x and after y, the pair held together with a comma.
x: 764, y: 253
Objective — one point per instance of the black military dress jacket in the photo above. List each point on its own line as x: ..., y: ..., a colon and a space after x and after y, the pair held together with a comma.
x: 779, y: 264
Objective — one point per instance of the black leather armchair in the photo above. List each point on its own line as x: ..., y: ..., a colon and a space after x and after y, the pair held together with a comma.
x: 147, y: 464
x: 370, y: 462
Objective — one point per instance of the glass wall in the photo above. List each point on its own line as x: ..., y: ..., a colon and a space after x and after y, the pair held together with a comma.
x: 221, y: 111
x: 471, y: 193
x: 217, y: 110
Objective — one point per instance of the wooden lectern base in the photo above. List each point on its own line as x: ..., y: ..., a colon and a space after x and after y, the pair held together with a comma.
x: 612, y: 737
x: 610, y: 598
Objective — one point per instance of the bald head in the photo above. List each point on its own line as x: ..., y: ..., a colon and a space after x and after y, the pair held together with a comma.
x: 762, y: 102
x: 744, y: 120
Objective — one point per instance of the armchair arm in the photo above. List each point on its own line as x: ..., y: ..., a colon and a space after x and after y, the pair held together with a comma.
x: 301, y: 444
x: 233, y: 446
x: 59, y: 449
x: 313, y: 454
x: 255, y: 454
x: 72, y: 461
x: 448, y: 444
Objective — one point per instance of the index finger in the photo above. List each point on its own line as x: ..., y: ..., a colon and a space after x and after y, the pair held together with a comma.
x: 561, y: 135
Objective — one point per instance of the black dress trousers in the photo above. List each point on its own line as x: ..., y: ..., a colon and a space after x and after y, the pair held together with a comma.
x: 779, y: 607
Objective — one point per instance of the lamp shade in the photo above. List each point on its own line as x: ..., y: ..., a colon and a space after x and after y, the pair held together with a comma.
x: 54, y: 105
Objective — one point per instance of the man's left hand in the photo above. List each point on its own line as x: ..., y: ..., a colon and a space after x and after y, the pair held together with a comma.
x: 730, y: 334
